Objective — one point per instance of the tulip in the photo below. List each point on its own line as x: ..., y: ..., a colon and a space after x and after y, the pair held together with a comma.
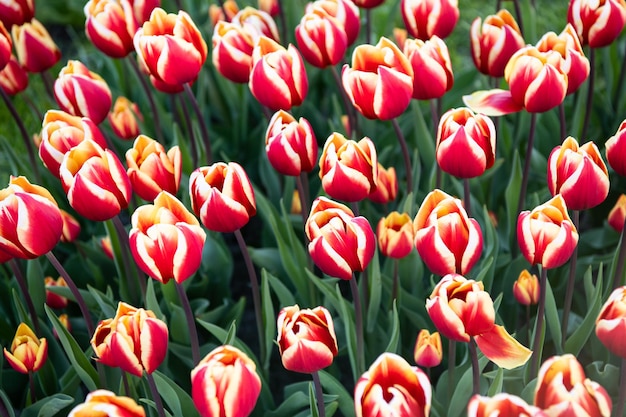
x: 166, y: 240
x: 502, y: 404
x: 82, y: 93
x: 321, y: 39
x: 380, y: 80
x: 71, y: 227
x: 60, y: 133
x: 95, y: 181
x: 563, y: 390
x: 466, y: 143
x: 368, y: 4
x: 13, y: 77
x: 278, y: 79
x: 597, y: 23
x: 578, y: 174
x: 611, y: 322
x: 446, y: 238
x: 616, y: 149
x: 53, y: 299
x: 271, y: 7
x: 296, y: 203
x: 392, y: 387
x: 257, y: 23
x: 65, y: 322
x: 494, y: 42
x: 395, y: 235
x: 232, y: 51
x: 425, y: 18
x: 151, y: 169
x: 306, y: 339
x: 171, y: 48
x: 290, y: 145
x: 216, y: 12
x: 35, y: 49
x: 30, y: 220
x: 348, y: 169
x: 106, y: 404
x: 428, y: 351
x: 340, y: 243
x: 107, y: 27
x: 222, y: 196
x: 431, y: 61
x: 28, y: 354
x: 225, y: 383
x: 107, y: 249
x: 124, y: 118
x: 546, y: 234
x: 617, y: 215
x: 386, y: 186
x: 5, y: 46
x: 134, y: 340
x: 526, y: 288
x: 461, y: 309
x: 16, y: 12
x: 345, y: 11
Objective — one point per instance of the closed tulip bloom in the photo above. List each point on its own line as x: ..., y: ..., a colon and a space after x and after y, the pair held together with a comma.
x: 151, y: 169
x: 6, y: 44
x: 546, y: 234
x: 446, y: 238
x: 617, y: 215
x: 494, y: 42
x: 306, y: 339
x: 216, y: 12
x: 563, y: 390
x: 166, y: 240
x: 344, y: 11
x: 380, y: 80
x: 502, y: 404
x: 107, y: 249
x: 30, y: 220
x: 82, y: 93
x: 107, y: 27
x: 16, y: 12
x: 171, y: 48
x: 431, y: 60
x: 598, y: 23
x: 425, y: 18
x: 428, y: 351
x: 386, y: 186
x: 35, y: 49
x: 222, y: 196
x: 616, y: 150
x: 466, y: 143
x: 395, y: 235
x: 611, y: 323
x: 134, y: 340
x: 392, y: 387
x: 257, y: 23
x: 28, y: 353
x: 13, y: 77
x: 321, y: 39
x: 53, y: 299
x: 225, y: 383
x: 124, y: 119
x: 271, y: 7
x: 232, y: 51
x: 103, y: 403
x: 526, y: 288
x: 278, y: 79
x: 95, y: 181
x: 61, y: 132
x: 340, y: 243
x: 348, y: 169
x: 290, y: 145
x: 71, y: 227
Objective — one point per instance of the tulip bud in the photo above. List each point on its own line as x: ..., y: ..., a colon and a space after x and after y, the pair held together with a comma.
x: 290, y: 145
x: 345, y: 11
x: 526, y: 288
x: 28, y: 354
x: 578, y: 174
x: 616, y: 150
x: 216, y: 12
x: 466, y: 143
x: 395, y: 235
x: 152, y: 170
x: 321, y: 39
x: 65, y: 322
x: 54, y: 300
x: 348, y: 169
x: 598, y: 23
x: 5, y: 46
x: 431, y: 61
x: 95, y: 181
x: 425, y: 18
x: 107, y: 28
x: 428, y: 351
x: 278, y: 79
x: 222, y: 196
x: 225, y: 383
x: 134, y: 340
x: 611, y: 323
x: 257, y: 23
x: 296, y: 203
x: 35, y: 49
x: 16, y: 12
x: 386, y: 186
x: 71, y: 227
x: 100, y: 400
x: 105, y: 245
x: 380, y: 81
x: 124, y: 118
x: 546, y: 235
x: 340, y: 243
x: 232, y: 51
x: 166, y: 240
x: 13, y: 77
x: 306, y: 339
x: 391, y: 386
x: 617, y: 215
x: 502, y: 404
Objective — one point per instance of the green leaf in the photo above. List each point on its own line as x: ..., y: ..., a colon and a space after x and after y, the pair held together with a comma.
x: 580, y: 336
x: 511, y: 196
x: 325, y: 286
x: 223, y: 336
x: 285, y: 297
x: 463, y: 390
x: 117, y: 259
x: 330, y: 384
x: 269, y: 318
x: 107, y: 305
x: 36, y: 286
x: 395, y: 331
x: 6, y: 403
x: 312, y: 402
x: 230, y: 336
x: 174, y: 396
x: 292, y: 404
x: 375, y: 291
x: 152, y: 303
x: 48, y: 407
x: 21, y: 310
x: 496, y: 385
x: 552, y: 319
x: 348, y: 321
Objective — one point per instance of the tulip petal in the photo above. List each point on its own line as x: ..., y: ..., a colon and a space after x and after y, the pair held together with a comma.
x: 494, y: 102
x: 502, y: 349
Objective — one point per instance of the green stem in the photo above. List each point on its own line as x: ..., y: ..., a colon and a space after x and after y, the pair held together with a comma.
x: 394, y: 288
x: 569, y: 292
x: 191, y: 323
x: 31, y: 384
x: 350, y: 109
x: 48, y: 84
x: 467, y: 196
x: 562, y: 121
x: 368, y: 26
x: 154, y: 391
x: 526, y: 172
x: 475, y: 370
x: 435, y: 105
x: 319, y: 394
x: 201, y: 122
x: 619, y: 269
x: 21, y: 281
x: 146, y: 88
x: 405, y: 155
x: 192, y: 135
x: 518, y: 14
x: 451, y: 366
x: 283, y: 23
x: 122, y: 237
x: 619, y: 408
x: 589, y: 104
x: 360, y: 348
x: 539, y: 324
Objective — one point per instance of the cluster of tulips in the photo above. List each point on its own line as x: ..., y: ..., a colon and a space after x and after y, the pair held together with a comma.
x: 157, y: 231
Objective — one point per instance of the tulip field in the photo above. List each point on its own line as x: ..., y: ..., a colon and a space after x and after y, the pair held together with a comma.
x: 290, y: 208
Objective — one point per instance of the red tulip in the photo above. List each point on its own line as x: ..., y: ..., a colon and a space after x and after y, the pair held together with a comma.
x: 431, y: 60
x: 28, y: 353
x: 526, y: 288
x: 5, y: 46
x: 340, y: 243
x: 386, y: 186
x: 115, y: 406
x: 166, y: 240
x: 71, y: 227
x: 616, y: 150
x: 611, y: 323
x: 598, y: 23
x: 232, y: 51
x: 124, y: 119
x: 290, y: 145
x: 368, y: 4
x: 16, y: 12
x: 502, y: 404
x: 395, y: 235
x: 257, y: 23
x: 271, y: 7
x: 428, y: 351
x: 345, y: 11
x: 225, y: 383
x: 54, y: 300
x: 546, y: 235
x: 425, y: 18
x: 222, y: 196
x: 392, y: 387
x: 446, y: 238
x: 13, y: 77
x: 466, y: 143
x: 617, y: 215
x: 306, y: 339
x: 107, y: 27
x: 321, y: 39
x: 35, y: 49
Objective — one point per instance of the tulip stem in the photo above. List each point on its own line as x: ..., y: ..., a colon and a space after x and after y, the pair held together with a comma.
x: 368, y: 26
x: 192, y: 136
x: 562, y: 121
x: 619, y: 408
x: 31, y: 385
x: 467, y: 196
x: 155, y: 395
x: 122, y: 236
x: 475, y: 371
x: 203, y: 127
x: 319, y: 394
x: 569, y: 292
x: 146, y: 88
x: 48, y: 83
x: 359, y: 326
x: 518, y: 13
x: 435, y: 110
x: 620, y: 83
x: 350, y: 110
x: 539, y: 324
x: 591, y: 85
x: 19, y: 277
x: 405, y: 155
x: 283, y: 22
x: 619, y: 269
x: 394, y: 288
x: 528, y: 157
x: 191, y: 323
x: 451, y: 366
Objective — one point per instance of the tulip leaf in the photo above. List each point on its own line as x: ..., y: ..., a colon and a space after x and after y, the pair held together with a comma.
x: 232, y: 333
x: 36, y: 286
x: 77, y: 357
x: 48, y: 407
x: 325, y: 286
x: 552, y: 319
x: 285, y: 297
x: 496, y: 384
x: 118, y: 259
x: 577, y: 340
x: 344, y: 399
x: 511, y: 197
x: 375, y: 291
x: 292, y: 404
x: 422, y: 135
x: 6, y: 405
x: 350, y: 328
x: 23, y: 315
x: 105, y: 303
x: 152, y: 303
x: 394, y: 337
x: 312, y: 402
x: 269, y: 318
x: 174, y: 396
x: 463, y: 390
x: 223, y: 336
